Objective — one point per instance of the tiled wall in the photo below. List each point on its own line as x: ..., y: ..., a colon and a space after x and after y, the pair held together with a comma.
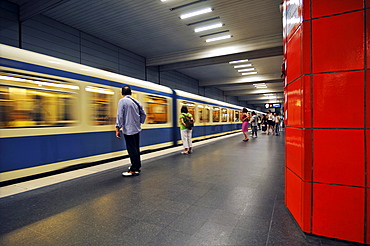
x: 328, y: 124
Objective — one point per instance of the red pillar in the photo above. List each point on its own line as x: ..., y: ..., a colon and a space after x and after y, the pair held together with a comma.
x: 327, y: 94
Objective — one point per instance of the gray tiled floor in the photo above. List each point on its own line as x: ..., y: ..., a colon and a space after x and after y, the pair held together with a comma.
x: 225, y: 193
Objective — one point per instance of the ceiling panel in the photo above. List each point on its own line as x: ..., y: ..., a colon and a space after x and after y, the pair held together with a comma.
x: 153, y: 29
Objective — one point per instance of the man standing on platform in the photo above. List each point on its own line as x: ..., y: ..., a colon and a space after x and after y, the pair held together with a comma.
x: 130, y: 116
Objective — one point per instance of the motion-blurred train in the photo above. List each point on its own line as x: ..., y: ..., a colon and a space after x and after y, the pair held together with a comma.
x: 56, y: 114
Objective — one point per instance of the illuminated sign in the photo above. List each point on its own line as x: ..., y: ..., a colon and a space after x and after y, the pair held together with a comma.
x: 273, y: 105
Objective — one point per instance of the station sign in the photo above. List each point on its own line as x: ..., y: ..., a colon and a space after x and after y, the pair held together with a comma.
x: 273, y: 105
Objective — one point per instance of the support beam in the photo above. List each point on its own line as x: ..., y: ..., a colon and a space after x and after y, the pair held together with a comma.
x: 253, y: 92
x: 240, y: 80
x: 255, y: 54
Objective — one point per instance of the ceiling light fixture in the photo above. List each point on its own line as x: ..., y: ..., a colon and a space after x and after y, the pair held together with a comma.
x: 245, y: 65
x: 199, y: 12
x: 238, y: 61
x: 214, y: 33
x: 202, y: 21
x: 187, y: 5
x: 246, y: 69
x: 249, y: 73
x: 218, y: 38
x: 204, y: 28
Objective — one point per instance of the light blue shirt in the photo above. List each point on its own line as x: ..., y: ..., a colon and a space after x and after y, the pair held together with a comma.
x: 129, y: 118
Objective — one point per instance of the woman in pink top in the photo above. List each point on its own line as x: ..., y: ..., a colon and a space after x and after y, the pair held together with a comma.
x: 245, y: 119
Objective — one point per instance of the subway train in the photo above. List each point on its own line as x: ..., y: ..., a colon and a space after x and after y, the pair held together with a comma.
x: 56, y: 114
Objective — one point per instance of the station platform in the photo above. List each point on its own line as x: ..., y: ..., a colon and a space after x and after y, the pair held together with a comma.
x: 227, y: 192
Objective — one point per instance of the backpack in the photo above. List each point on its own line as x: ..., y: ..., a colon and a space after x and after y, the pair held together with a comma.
x: 189, y: 122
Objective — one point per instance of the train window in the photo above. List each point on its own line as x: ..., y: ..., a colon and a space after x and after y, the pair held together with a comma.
x: 27, y: 101
x: 156, y: 109
x: 203, y: 112
x: 101, y: 101
x: 216, y: 114
x: 191, y: 108
x: 231, y: 115
x: 224, y: 115
x: 237, y: 116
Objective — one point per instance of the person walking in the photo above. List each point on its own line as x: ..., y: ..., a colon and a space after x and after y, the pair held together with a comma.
x: 277, y: 124
x: 254, y: 124
x: 245, y: 119
x: 270, y: 123
x: 186, y: 131
x: 130, y: 116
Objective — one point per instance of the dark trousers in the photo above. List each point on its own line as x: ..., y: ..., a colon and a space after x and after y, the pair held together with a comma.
x: 133, y: 149
x: 254, y: 130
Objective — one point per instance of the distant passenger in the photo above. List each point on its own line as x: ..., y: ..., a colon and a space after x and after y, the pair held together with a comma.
x: 270, y: 123
x: 259, y: 122
x: 245, y: 119
x: 277, y: 124
x: 264, y: 124
x: 186, y: 121
x: 254, y: 124
x: 130, y: 116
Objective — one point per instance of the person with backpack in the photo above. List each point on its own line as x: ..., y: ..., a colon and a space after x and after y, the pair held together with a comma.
x: 186, y: 121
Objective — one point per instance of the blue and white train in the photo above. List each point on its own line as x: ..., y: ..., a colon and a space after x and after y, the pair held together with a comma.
x: 56, y: 114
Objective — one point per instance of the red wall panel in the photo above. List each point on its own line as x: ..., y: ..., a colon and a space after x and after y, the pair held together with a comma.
x: 331, y: 39
x: 293, y: 143
x: 338, y: 212
x: 367, y: 35
x: 322, y: 8
x: 306, y: 47
x: 293, y: 63
x: 344, y: 91
x: 293, y: 191
x: 306, y: 9
x: 367, y: 99
x: 307, y: 100
x: 295, y: 103
x: 337, y: 160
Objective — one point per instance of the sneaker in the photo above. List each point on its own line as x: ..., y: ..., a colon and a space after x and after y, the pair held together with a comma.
x: 130, y: 173
x: 184, y: 153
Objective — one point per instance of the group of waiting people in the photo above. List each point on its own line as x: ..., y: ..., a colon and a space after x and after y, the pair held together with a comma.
x: 131, y: 114
x: 269, y: 123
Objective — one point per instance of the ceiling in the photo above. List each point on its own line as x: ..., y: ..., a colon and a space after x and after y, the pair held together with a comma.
x: 153, y: 29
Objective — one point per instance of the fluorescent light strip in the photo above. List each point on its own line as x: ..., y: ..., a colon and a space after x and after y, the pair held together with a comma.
x: 218, y: 38
x: 238, y: 61
x: 199, y: 12
x: 249, y: 73
x: 246, y: 69
x: 245, y: 65
x: 200, y: 29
